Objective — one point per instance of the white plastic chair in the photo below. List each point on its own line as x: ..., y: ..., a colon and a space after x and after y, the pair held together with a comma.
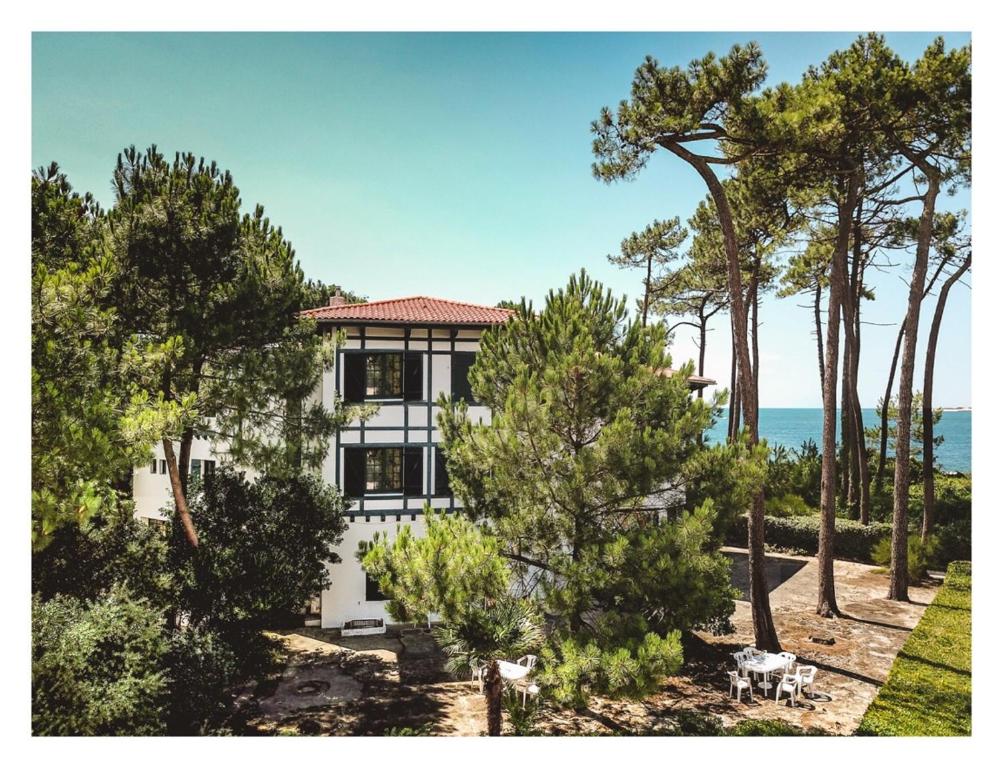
x: 741, y: 657
x: 789, y: 684
x: 806, y: 679
x: 789, y: 659
x: 528, y: 661
x: 532, y: 689
x: 477, y: 673
x: 752, y: 650
x: 739, y: 683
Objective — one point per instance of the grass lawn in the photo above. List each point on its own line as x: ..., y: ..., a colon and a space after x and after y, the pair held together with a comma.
x: 929, y: 688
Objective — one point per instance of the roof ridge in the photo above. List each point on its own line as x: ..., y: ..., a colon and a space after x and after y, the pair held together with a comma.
x: 407, y: 298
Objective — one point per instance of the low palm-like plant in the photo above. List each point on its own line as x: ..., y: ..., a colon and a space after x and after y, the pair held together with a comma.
x: 506, y: 628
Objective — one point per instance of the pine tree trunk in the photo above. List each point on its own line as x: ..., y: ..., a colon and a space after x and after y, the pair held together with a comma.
x: 493, y: 694
x: 819, y: 346
x: 847, y: 445
x: 647, y: 293
x: 827, y: 606
x: 703, y: 345
x: 879, y: 478
x: 185, y: 459
x: 899, y: 571
x: 931, y: 358
x: 864, y: 470
x: 180, y: 503
x: 762, y: 618
x: 860, y: 476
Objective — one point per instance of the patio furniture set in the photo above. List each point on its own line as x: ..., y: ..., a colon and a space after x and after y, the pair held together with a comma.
x: 791, y: 678
x: 513, y: 675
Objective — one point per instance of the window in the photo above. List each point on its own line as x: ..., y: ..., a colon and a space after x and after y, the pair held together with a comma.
x: 153, y: 467
x: 459, y: 375
x: 163, y: 466
x: 383, y: 376
x: 373, y: 593
x: 200, y: 466
x: 384, y: 470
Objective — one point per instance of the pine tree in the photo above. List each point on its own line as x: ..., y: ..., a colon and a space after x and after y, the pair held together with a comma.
x: 590, y: 446
x: 223, y: 288
x: 653, y: 249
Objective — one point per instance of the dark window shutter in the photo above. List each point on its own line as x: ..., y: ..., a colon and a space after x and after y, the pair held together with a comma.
x: 442, y: 487
x: 459, y: 375
x: 355, y: 472
x: 413, y: 389
x: 355, y: 379
x: 412, y: 470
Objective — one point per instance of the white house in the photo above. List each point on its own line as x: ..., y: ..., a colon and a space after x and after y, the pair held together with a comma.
x: 401, y: 354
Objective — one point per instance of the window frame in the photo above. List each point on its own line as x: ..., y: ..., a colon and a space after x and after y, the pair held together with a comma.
x: 396, y: 490
x: 397, y: 392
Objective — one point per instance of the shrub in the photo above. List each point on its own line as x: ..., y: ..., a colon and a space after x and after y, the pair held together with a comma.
x: 920, y: 555
x: 790, y: 505
x: 96, y: 666
x: 521, y: 719
x: 113, y: 548
x: 264, y: 548
x: 959, y: 575
x: 795, y: 472
x: 854, y: 541
x: 955, y: 540
x: 202, y: 666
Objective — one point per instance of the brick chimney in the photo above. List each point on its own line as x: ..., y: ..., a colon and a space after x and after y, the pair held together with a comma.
x: 336, y: 301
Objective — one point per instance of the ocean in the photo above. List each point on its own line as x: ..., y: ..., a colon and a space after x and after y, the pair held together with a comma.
x: 792, y: 426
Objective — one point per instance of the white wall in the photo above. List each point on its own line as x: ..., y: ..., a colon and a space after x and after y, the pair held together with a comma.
x: 346, y: 599
x: 152, y: 492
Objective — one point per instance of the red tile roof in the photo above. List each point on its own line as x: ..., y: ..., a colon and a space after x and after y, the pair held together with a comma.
x: 413, y: 309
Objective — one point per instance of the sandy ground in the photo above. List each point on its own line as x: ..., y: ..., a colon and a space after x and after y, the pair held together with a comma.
x: 370, y: 685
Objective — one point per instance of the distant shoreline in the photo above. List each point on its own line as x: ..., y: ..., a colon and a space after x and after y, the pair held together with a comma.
x: 944, y: 408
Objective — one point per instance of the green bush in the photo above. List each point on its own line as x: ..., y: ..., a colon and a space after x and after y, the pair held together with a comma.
x: 112, y: 549
x: 920, y: 554
x: 959, y: 575
x: 795, y: 472
x: 202, y: 666
x: 264, y: 548
x: 96, y: 666
x: 955, y: 540
x: 799, y: 535
x: 521, y: 719
x: 790, y: 505
x: 929, y: 687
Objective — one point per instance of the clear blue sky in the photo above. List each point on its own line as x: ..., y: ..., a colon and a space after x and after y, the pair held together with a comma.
x: 455, y: 165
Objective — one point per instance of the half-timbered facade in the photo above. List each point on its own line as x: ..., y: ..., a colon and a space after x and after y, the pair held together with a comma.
x: 401, y: 355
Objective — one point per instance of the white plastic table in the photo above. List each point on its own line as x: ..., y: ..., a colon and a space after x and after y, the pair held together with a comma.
x: 510, y: 671
x: 764, y: 665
